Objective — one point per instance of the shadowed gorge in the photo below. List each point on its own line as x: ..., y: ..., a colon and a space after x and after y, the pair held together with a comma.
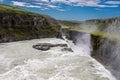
x: 105, y: 41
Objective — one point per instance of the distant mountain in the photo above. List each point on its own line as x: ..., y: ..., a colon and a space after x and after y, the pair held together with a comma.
x: 68, y: 24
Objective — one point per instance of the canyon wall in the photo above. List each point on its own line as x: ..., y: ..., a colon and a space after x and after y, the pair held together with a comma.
x: 106, y: 47
x: 105, y: 42
x: 17, y: 24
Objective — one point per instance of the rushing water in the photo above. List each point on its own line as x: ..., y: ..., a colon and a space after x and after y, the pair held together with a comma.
x: 82, y: 44
x: 109, y: 50
x: 109, y: 53
x: 19, y: 61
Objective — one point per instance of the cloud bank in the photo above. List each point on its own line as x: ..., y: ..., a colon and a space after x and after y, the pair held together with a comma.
x: 53, y: 4
x: 113, y: 2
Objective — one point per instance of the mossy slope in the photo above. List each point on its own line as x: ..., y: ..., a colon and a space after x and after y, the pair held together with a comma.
x: 19, y: 24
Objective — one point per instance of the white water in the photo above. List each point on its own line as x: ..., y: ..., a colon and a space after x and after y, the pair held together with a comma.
x: 82, y: 45
x: 109, y: 50
x: 19, y: 61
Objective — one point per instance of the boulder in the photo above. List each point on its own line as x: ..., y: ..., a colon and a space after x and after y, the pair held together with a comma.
x: 41, y: 47
x: 47, y: 46
x: 67, y: 49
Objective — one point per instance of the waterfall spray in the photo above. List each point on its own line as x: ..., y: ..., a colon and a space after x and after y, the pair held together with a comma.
x: 108, y: 51
x: 80, y: 42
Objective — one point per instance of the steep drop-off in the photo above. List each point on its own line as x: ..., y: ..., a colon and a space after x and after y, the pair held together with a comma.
x: 105, y: 41
x: 106, y: 47
x: 22, y: 62
x: 18, y: 24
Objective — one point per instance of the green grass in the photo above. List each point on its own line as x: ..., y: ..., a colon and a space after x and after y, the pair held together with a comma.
x: 68, y: 24
x: 99, y: 33
x: 25, y: 30
x: 102, y: 26
x: 12, y: 9
x: 66, y: 27
x: 111, y: 36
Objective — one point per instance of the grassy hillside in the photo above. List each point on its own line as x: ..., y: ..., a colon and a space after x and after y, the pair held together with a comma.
x: 12, y: 9
x: 19, y: 24
x: 69, y: 24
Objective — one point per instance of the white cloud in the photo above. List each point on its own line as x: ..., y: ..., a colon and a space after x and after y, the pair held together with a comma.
x: 1, y: 0
x: 42, y: 0
x: 78, y: 2
x: 112, y: 2
x: 16, y: 3
x: 50, y: 5
x: 61, y: 9
x: 28, y: 5
x: 90, y: 3
x: 53, y: 4
x: 45, y: 5
x: 33, y: 6
x: 39, y: 7
x: 60, y: 1
x: 55, y: 7
x: 103, y: 6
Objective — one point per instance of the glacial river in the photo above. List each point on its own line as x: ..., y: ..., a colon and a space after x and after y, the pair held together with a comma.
x: 19, y: 61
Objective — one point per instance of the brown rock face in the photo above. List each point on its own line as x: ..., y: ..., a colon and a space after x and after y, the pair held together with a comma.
x: 26, y: 25
x: 111, y: 20
x: 21, y: 27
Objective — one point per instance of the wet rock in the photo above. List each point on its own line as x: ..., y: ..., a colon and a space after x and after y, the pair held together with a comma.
x: 61, y: 45
x: 41, y: 47
x: 47, y: 46
x: 67, y: 49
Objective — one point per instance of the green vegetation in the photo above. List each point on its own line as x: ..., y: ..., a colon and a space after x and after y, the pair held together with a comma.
x: 98, y: 32
x: 10, y: 33
x: 19, y: 24
x: 69, y: 24
x: 102, y: 26
x: 96, y: 28
x: 12, y: 9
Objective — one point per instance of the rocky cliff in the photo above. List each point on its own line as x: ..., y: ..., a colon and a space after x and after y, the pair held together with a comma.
x: 104, y: 23
x: 106, y: 46
x: 18, y: 24
x: 105, y: 42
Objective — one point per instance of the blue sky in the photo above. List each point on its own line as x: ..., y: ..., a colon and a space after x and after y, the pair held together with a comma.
x: 70, y: 9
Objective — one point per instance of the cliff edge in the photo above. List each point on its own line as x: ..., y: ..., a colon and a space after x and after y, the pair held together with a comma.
x: 18, y: 24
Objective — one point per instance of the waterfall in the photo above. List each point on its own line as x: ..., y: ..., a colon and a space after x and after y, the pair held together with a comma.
x: 109, y: 51
x: 22, y: 60
x: 19, y: 61
x: 109, y: 55
x: 81, y: 43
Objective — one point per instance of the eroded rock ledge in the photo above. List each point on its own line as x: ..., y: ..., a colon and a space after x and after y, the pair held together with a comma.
x: 47, y: 46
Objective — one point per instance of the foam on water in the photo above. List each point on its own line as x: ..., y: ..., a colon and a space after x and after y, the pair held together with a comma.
x: 82, y: 45
x: 54, y: 64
